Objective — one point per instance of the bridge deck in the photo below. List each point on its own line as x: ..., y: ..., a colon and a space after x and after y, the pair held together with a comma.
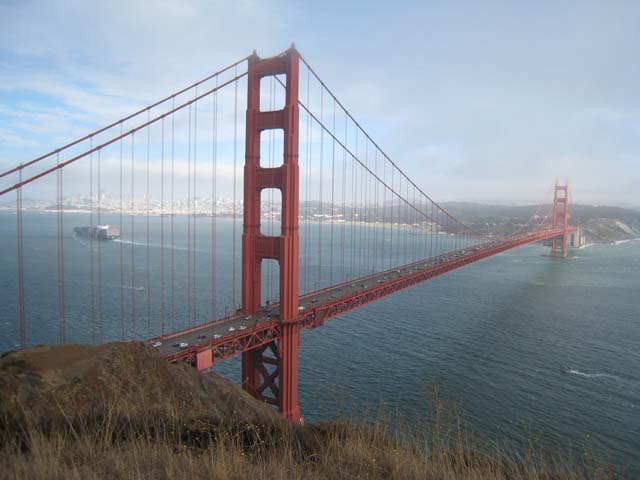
x: 214, y: 341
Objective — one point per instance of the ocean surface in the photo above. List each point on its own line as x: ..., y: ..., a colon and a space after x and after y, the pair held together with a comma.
x: 525, y: 348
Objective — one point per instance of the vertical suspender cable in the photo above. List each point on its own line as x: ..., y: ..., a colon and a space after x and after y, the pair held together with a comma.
x: 307, y: 226
x: 399, y: 238
x: 194, y: 291
x: 437, y: 231
x: 162, y: 289
x: 344, y: 196
x: 320, y: 218
x: 61, y: 333
x: 333, y: 192
x: 235, y: 163
x: 148, y: 213
x: 352, y: 225
x: 364, y: 180
x: 422, y: 243
x: 172, y: 222
x: 358, y: 209
x: 411, y: 224
x: 92, y: 233
x: 361, y: 215
x: 410, y: 221
x: 392, y: 221
x: 419, y: 254
x: 121, y: 244
x: 133, y: 241
x: 368, y: 209
x: 188, y: 299
x: 214, y: 212
x: 384, y: 217
x: 21, y: 310
x: 371, y: 219
x: 100, y: 320
x: 375, y: 211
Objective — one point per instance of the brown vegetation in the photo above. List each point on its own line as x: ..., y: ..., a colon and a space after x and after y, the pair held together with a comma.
x: 119, y: 411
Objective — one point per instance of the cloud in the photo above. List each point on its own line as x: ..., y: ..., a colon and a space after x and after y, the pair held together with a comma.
x: 478, y: 102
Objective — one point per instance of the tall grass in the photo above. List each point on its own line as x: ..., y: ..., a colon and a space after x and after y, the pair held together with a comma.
x: 111, y: 443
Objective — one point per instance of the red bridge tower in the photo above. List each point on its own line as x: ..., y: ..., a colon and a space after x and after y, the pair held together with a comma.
x: 560, y: 220
x: 270, y: 372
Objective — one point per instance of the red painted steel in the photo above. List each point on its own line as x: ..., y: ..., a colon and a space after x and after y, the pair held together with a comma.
x: 560, y: 219
x: 266, y: 332
x: 283, y: 381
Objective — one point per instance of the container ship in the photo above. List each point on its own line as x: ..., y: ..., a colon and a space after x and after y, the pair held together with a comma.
x: 100, y: 232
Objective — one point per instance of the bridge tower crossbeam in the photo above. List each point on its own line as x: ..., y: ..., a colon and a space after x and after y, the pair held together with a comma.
x: 277, y: 372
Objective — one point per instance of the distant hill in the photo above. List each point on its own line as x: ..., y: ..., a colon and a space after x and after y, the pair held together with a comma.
x: 601, y: 224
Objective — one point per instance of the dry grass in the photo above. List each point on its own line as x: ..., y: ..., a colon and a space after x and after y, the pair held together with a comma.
x: 112, y: 446
x: 124, y: 413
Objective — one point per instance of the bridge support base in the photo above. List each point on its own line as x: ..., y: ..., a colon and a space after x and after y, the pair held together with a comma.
x: 270, y: 372
x: 559, y: 250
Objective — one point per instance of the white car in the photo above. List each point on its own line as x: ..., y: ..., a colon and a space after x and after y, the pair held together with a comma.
x: 232, y: 329
x: 216, y: 336
x: 300, y: 308
x: 247, y: 318
x: 156, y: 344
x: 181, y: 345
x: 242, y: 327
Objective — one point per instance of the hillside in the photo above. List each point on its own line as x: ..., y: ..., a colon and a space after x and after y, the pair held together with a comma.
x: 129, y: 378
x: 119, y: 411
x: 601, y: 224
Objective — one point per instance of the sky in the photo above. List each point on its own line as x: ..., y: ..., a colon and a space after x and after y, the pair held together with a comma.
x: 477, y: 101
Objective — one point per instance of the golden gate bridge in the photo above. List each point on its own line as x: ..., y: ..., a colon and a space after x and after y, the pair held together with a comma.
x: 351, y: 228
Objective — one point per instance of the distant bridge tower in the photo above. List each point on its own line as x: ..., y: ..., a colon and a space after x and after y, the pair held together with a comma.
x: 560, y: 220
x: 270, y: 372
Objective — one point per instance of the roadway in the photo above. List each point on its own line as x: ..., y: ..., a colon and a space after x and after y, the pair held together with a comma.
x: 179, y: 344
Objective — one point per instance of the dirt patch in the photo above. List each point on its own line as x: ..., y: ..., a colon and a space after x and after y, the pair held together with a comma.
x: 44, y: 358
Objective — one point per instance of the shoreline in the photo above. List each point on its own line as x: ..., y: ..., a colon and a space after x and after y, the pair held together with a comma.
x: 404, y: 226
